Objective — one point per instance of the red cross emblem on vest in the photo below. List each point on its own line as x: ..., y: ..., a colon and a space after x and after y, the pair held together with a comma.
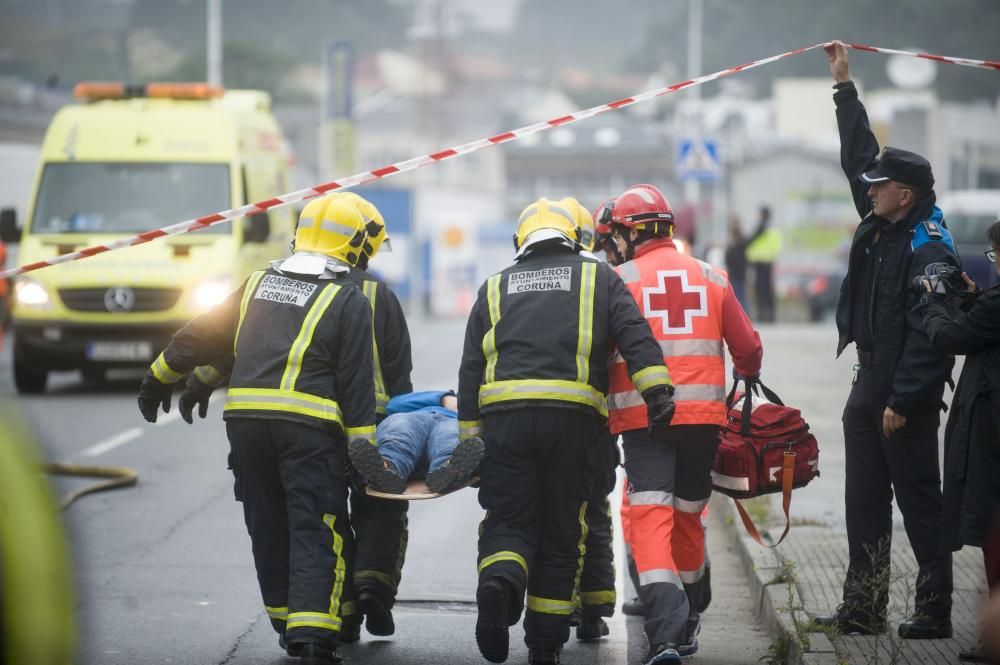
x: 675, y: 302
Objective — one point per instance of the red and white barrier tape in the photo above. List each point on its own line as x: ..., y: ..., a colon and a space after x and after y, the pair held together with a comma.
x: 417, y: 162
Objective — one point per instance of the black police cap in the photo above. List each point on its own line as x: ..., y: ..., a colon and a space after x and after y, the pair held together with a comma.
x: 903, y: 166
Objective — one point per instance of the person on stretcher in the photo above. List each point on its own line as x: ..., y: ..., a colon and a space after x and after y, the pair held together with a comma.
x: 418, y: 440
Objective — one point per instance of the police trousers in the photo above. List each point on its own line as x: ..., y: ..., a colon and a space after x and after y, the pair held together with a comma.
x: 905, y: 464
x: 292, y: 481
x: 535, y: 484
x: 669, y: 485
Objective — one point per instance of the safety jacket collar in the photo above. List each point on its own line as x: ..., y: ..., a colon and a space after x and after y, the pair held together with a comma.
x: 651, y: 245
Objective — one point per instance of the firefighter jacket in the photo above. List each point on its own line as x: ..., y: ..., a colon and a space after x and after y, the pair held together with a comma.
x: 876, y: 306
x: 303, y: 352
x: 540, y: 334
x: 691, y: 309
x: 391, y: 341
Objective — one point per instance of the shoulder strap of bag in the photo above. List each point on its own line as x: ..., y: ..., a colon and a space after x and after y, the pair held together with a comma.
x: 787, y: 477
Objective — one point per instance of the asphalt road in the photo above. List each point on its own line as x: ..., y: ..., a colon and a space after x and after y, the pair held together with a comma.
x: 164, y: 571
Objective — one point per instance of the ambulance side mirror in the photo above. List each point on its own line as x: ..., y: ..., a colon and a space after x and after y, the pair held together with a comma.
x: 9, y: 233
x: 257, y: 228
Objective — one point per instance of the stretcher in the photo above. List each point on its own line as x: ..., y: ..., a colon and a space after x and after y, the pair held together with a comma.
x: 417, y: 490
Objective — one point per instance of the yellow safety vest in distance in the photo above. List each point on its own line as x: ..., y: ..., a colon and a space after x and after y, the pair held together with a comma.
x: 282, y: 366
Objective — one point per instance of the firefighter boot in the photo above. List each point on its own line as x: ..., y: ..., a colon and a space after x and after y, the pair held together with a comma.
x: 464, y: 461
x: 378, y: 615
x: 492, y: 624
x: 317, y: 654
x: 543, y: 657
x: 591, y: 629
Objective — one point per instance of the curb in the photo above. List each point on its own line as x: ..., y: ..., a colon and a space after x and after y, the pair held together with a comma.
x: 772, y: 598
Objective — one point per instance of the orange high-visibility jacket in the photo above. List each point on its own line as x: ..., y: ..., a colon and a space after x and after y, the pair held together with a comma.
x: 691, y: 309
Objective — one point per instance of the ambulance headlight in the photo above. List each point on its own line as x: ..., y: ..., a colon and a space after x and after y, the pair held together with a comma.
x: 30, y: 293
x: 209, y: 294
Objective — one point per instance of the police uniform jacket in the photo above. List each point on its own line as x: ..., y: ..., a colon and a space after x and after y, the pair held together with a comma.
x: 972, y: 437
x: 393, y: 363
x: 303, y: 352
x: 908, y: 374
x: 540, y: 333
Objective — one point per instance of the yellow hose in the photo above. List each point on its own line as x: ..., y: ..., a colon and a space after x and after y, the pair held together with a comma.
x: 118, y: 477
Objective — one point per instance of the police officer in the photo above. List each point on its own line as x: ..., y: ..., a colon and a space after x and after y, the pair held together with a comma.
x: 892, y: 415
x: 692, y: 311
x: 532, y: 381
x: 301, y: 384
x: 380, y: 526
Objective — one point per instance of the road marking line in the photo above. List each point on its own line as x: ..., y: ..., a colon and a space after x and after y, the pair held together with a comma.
x: 110, y: 444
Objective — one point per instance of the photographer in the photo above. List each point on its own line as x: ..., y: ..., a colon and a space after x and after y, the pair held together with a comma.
x: 968, y: 323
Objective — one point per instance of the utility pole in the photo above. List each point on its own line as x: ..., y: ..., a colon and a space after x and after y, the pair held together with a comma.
x: 214, y: 42
x: 692, y: 190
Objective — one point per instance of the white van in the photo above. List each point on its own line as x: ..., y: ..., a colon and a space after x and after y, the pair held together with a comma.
x: 968, y: 213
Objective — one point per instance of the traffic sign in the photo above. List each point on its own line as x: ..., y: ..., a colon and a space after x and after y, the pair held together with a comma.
x: 698, y: 159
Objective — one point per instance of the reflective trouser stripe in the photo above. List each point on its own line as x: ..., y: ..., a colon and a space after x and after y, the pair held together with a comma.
x: 469, y: 428
x: 550, y: 605
x: 542, y: 389
x: 590, y: 598
x: 651, y: 377
x: 581, y: 547
x: 651, y: 498
x: 348, y: 608
x: 293, y: 366
x: 503, y: 556
x: 291, y: 401
x: 313, y: 620
x: 490, y: 340
x: 277, y: 613
x: 339, y: 570
x: 163, y: 372
x: 692, y: 576
x: 248, y: 291
x: 367, y: 433
x: 376, y: 575
x: 585, y: 323
x: 658, y: 575
x: 685, y: 506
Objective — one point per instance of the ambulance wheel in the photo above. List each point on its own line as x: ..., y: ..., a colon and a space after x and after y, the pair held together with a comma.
x: 29, y: 380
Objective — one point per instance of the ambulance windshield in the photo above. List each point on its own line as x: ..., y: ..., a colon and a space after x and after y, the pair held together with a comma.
x: 128, y: 197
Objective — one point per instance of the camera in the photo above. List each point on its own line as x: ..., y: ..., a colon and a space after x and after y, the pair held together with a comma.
x: 942, y: 277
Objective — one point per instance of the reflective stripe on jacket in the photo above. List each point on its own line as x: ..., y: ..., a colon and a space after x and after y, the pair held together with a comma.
x: 303, y: 352
x: 682, y: 299
x: 539, y: 335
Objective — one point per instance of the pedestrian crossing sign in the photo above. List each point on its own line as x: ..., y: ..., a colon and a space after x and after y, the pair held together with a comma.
x: 698, y: 159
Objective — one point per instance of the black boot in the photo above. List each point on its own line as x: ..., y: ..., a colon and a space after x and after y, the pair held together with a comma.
x: 923, y: 627
x: 350, y: 630
x: 543, y: 657
x: 973, y: 655
x: 846, y: 622
x: 459, y: 468
x: 370, y: 465
x: 378, y: 615
x: 492, y: 625
x: 316, y: 654
x: 634, y: 607
x: 591, y: 629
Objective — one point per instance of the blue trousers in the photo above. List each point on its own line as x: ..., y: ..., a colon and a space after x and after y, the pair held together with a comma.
x: 417, y: 442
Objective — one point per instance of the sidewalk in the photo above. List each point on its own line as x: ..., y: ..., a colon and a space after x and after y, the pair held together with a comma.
x: 818, y: 553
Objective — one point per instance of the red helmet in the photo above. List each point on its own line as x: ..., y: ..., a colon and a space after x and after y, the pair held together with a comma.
x: 602, y: 217
x: 641, y: 205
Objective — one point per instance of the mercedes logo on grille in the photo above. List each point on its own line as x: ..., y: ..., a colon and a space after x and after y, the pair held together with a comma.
x: 119, y: 299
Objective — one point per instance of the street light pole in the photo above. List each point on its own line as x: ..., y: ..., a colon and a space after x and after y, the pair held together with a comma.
x: 214, y: 46
x: 692, y: 192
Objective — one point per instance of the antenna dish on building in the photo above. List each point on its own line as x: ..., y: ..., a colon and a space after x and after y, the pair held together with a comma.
x: 909, y: 73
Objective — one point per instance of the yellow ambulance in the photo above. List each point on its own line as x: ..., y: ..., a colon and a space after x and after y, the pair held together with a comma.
x: 128, y: 159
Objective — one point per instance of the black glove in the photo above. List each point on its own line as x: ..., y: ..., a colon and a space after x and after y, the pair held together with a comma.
x: 152, y: 394
x: 660, y: 408
x: 195, y: 392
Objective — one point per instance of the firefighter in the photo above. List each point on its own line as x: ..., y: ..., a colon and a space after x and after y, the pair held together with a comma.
x: 380, y: 526
x: 692, y: 310
x: 301, y: 385
x: 596, y: 592
x: 532, y: 382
